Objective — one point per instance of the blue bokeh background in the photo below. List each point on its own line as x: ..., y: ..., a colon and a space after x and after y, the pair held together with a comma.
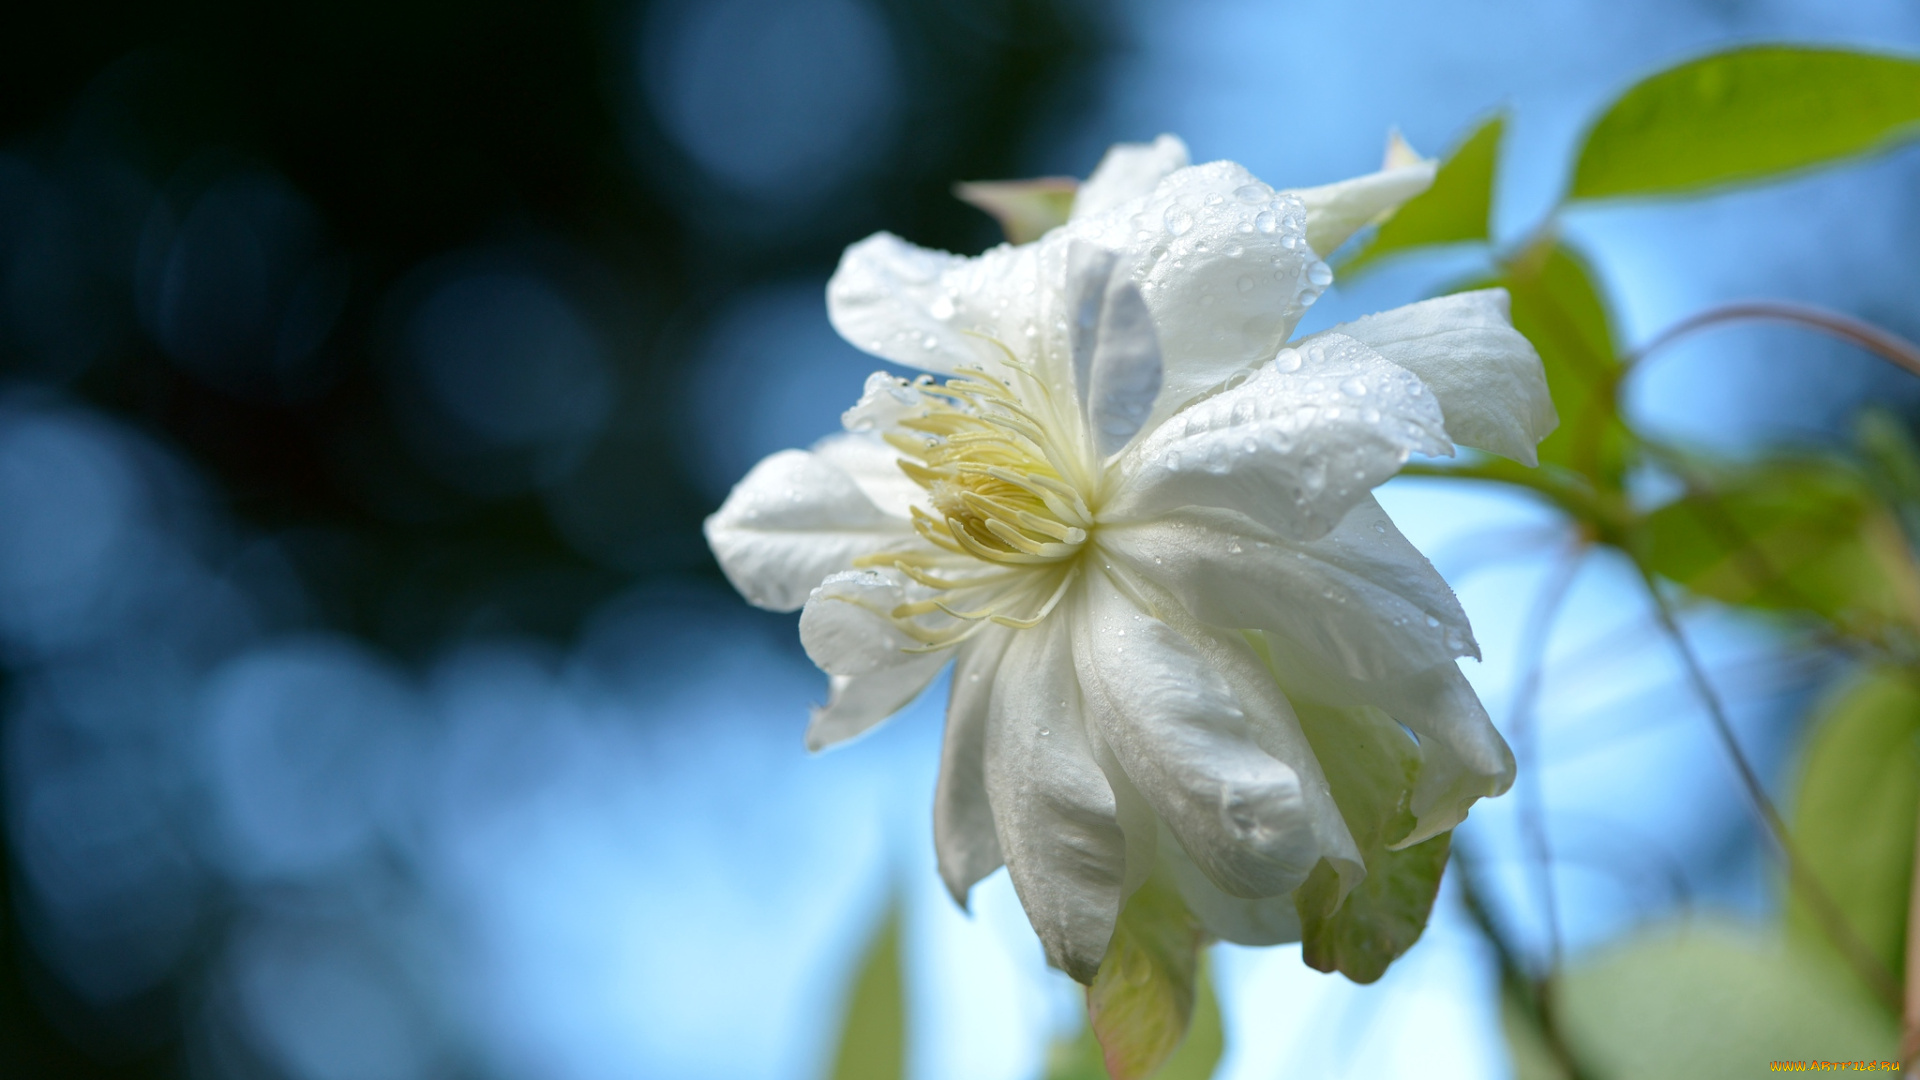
x: 372, y: 708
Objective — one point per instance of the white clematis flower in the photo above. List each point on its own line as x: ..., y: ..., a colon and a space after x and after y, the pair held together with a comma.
x: 1139, y: 525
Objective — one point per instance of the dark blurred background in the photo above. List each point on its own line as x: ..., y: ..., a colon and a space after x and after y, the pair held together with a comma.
x: 366, y: 329
x: 372, y: 708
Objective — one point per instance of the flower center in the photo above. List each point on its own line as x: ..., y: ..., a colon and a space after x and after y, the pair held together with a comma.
x: 1005, y: 487
x: 994, y: 473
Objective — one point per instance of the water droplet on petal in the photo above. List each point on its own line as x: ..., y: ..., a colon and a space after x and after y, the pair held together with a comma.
x: 1354, y: 387
x: 1267, y: 222
x: 1245, y: 284
x: 1320, y: 273
x: 1178, y: 220
x: 1288, y: 360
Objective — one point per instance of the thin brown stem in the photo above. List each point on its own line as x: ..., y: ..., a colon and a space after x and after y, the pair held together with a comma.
x: 1526, y: 737
x: 1833, y: 922
x: 1527, y: 992
x: 1910, y: 1019
x: 1888, y: 346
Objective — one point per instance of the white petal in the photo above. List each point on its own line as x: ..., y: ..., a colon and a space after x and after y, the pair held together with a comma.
x: 875, y: 467
x: 963, y: 832
x: 791, y: 521
x: 1052, y: 807
x: 845, y: 626
x: 1463, y: 757
x: 857, y: 702
x: 1487, y: 377
x: 923, y: 308
x: 1269, y: 920
x: 1338, y: 210
x: 1126, y: 375
x: 1361, y: 599
x: 1185, y: 742
x: 1128, y: 171
x: 1291, y: 449
x: 1223, y: 264
x: 1089, y: 272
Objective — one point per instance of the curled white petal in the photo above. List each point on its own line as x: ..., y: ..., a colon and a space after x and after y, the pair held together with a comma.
x: 1267, y: 920
x: 1361, y: 599
x: 929, y: 309
x: 856, y: 703
x: 1485, y: 375
x: 1294, y: 447
x: 1336, y: 211
x: 1053, y: 809
x: 791, y: 521
x: 875, y: 467
x: 964, y: 840
x: 1129, y: 171
x: 1224, y: 265
x: 846, y: 627
x: 1464, y: 759
x: 1184, y: 741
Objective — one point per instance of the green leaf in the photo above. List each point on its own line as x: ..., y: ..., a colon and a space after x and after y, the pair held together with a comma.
x: 1454, y: 210
x: 1197, y: 1057
x: 873, y: 1038
x: 1708, y: 998
x: 1142, y: 999
x: 1747, y: 114
x: 1371, y: 764
x: 1788, y: 534
x: 1559, y: 309
x: 1854, y: 813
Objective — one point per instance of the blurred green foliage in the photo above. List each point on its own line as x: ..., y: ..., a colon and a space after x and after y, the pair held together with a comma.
x: 1456, y: 209
x: 1747, y: 115
x: 1855, y: 809
x: 1371, y: 765
x: 873, y: 1036
x: 1080, y: 1058
x: 1826, y: 540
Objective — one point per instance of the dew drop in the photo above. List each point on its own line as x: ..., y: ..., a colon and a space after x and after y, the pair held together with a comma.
x: 1178, y: 221
x: 942, y: 308
x: 1354, y: 387
x: 1245, y: 284
x: 1432, y: 622
x: 1288, y: 360
x: 1044, y: 732
x: 1320, y: 273
x: 929, y: 343
x: 1251, y: 193
x: 1234, y: 548
x: 1267, y: 222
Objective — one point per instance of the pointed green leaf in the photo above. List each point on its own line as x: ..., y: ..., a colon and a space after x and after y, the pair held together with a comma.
x: 1745, y: 115
x: 1025, y: 209
x: 873, y: 1038
x: 1557, y: 306
x: 1456, y: 209
x: 1708, y: 998
x: 1854, y: 811
x: 1795, y: 534
x: 1197, y: 1057
x: 1142, y: 998
x: 1371, y: 764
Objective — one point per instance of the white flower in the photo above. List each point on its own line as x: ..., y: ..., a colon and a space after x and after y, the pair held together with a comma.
x: 1139, y: 524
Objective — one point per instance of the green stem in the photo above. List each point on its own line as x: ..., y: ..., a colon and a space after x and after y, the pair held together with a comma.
x: 1833, y: 921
